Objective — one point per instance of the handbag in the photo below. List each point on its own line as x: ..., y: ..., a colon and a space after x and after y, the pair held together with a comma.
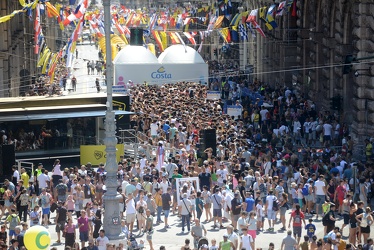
x: 189, y: 214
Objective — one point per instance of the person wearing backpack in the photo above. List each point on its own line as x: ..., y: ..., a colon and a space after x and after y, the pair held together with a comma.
x: 328, y: 220
x: 271, y: 209
x: 297, y: 217
x: 307, y: 192
x: 61, y: 190
x: 13, y: 221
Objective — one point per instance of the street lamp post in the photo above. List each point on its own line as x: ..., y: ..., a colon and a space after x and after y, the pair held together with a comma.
x: 112, y: 219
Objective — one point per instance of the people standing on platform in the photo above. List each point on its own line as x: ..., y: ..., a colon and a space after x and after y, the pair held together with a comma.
x: 74, y: 83
x: 97, y: 84
x: 15, y: 176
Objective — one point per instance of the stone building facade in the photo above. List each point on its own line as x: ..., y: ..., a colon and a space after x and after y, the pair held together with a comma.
x: 307, y: 51
x: 16, y: 49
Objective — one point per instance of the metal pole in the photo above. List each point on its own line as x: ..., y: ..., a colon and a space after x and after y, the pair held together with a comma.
x: 112, y: 219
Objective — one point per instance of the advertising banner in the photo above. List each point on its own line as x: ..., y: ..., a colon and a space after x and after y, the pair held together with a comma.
x: 213, y: 95
x: 96, y: 153
x: 233, y: 110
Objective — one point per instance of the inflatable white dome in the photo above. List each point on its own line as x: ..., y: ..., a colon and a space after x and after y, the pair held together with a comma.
x: 135, y: 55
x: 179, y: 54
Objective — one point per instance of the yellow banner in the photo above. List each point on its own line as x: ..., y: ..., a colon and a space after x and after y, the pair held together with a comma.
x: 96, y: 153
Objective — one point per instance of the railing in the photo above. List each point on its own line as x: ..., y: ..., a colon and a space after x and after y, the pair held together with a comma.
x: 137, y: 150
x: 128, y: 136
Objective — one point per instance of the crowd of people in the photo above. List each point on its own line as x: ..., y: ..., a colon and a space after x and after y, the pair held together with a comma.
x: 262, y: 175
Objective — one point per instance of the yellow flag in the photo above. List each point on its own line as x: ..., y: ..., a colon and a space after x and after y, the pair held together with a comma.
x: 45, y: 63
x: 164, y: 39
x: 42, y: 57
x: 151, y: 47
x: 22, y: 3
x: 5, y: 18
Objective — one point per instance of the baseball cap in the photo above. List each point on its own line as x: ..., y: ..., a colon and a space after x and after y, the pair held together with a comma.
x: 225, y: 235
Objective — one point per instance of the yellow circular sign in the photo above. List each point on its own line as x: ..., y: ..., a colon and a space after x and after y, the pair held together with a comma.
x: 38, y: 238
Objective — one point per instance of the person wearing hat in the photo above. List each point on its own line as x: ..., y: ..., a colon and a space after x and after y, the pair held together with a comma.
x: 204, y: 247
x: 131, y: 188
x: 226, y: 244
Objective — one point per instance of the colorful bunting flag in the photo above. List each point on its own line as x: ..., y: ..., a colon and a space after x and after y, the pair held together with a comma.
x: 37, y: 29
x: 191, y: 37
x: 243, y: 32
x: 270, y: 21
x: 280, y: 9
x: 225, y: 34
x: 79, y: 12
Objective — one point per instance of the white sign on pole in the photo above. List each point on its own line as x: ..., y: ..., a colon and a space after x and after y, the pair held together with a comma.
x: 119, y: 89
x: 213, y: 95
x: 181, y: 181
x: 233, y: 110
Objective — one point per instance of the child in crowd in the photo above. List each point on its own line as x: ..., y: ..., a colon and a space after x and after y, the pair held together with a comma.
x: 70, y: 205
x: 252, y: 228
x: 214, y: 245
x: 310, y: 229
x: 260, y: 216
x: 305, y: 244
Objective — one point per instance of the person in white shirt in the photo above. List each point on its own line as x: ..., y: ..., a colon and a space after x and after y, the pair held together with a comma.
x: 327, y: 131
x: 130, y: 212
x: 143, y: 162
x: 102, y: 240
x: 221, y: 174
x: 269, y: 210
x: 164, y: 185
x: 15, y: 176
x: 263, y: 113
x: 246, y: 241
x: 320, y: 191
x: 43, y: 180
x: 313, y: 135
x: 306, y: 130
x: 267, y: 167
x: 154, y: 129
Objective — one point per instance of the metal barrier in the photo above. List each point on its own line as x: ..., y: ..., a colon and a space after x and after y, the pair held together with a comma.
x: 128, y: 136
x: 136, y: 150
x: 26, y: 165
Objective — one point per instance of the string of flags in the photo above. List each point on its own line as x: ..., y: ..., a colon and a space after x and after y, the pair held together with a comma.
x: 162, y: 25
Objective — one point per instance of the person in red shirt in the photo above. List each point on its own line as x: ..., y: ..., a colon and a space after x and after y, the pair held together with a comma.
x: 339, y: 195
x: 298, y: 218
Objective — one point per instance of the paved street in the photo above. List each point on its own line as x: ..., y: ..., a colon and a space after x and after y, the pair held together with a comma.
x: 173, y: 239
x: 85, y: 82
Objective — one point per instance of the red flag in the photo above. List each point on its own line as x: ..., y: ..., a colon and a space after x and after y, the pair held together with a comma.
x: 37, y: 29
x: 294, y: 8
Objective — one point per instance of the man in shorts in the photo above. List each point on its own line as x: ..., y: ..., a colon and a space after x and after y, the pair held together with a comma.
x: 130, y: 212
x: 149, y: 228
x: 84, y: 228
x: 217, y: 208
x: 271, y: 214
x: 61, y: 216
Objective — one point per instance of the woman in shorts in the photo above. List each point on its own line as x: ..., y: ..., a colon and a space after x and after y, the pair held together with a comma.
x: 207, y: 203
x: 366, y: 220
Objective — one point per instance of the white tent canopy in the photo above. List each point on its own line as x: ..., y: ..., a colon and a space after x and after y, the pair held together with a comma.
x: 177, y: 63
